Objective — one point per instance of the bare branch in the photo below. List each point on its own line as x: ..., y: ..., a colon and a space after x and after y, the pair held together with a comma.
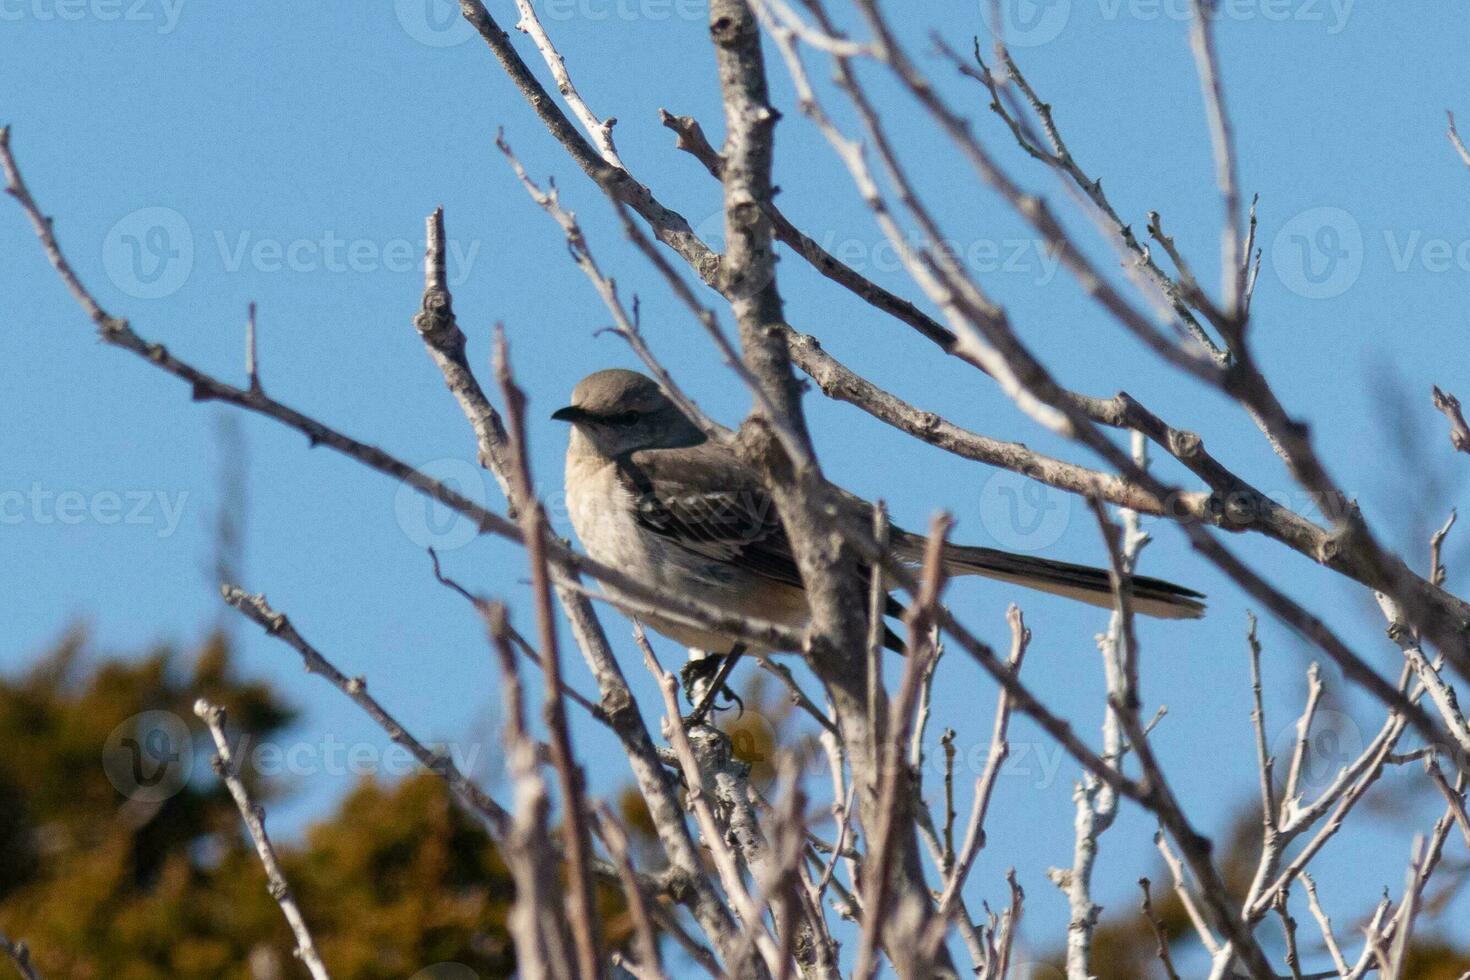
x: 894, y: 800
x: 1325, y: 923
x: 1288, y: 930
x: 1455, y: 140
x: 698, y: 800
x: 535, y: 528
x: 669, y: 226
x: 1000, y: 748
x: 691, y: 139
x: 599, y: 130
x: 446, y: 345
x: 538, y: 922
x: 839, y: 382
x: 1436, y: 547
x: 257, y: 610
x: 1258, y: 721
x: 252, y: 367
x: 20, y: 955
x: 1161, y: 939
x: 1450, y: 406
x: 1454, y: 798
x: 445, y: 342
x: 1186, y: 895
x: 1009, y: 925
x: 624, y: 326
x: 1137, y: 257
x: 254, y: 816
x: 1222, y: 140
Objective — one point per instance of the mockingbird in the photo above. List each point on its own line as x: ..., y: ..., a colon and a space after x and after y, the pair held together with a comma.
x: 649, y: 493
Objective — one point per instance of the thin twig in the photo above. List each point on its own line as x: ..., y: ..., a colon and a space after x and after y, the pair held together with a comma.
x: 1436, y: 548
x: 538, y: 922
x: 482, y: 607
x: 257, y: 610
x: 252, y: 366
x: 1186, y: 895
x: 254, y: 816
x: 894, y: 802
x: 1222, y: 140
x: 1000, y: 748
x: 1264, y: 758
x: 1325, y: 923
x: 1450, y: 406
x: 446, y: 344
x: 615, y: 837
x: 20, y: 955
x: 535, y: 527
x: 624, y: 325
x: 1161, y: 938
x: 697, y: 799
x: 1455, y: 140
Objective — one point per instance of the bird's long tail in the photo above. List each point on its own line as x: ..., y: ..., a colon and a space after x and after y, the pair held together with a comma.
x: 1150, y: 596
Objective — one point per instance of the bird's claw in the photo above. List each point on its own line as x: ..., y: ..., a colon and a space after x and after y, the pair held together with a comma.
x: 697, y: 674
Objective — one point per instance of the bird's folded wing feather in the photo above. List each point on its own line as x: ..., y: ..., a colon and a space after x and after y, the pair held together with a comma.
x: 706, y: 502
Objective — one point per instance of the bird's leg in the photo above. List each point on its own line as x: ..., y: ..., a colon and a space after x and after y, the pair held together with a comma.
x: 716, y: 686
x: 697, y: 672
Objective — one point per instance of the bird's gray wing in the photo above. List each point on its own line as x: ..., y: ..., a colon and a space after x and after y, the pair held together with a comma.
x: 707, y: 502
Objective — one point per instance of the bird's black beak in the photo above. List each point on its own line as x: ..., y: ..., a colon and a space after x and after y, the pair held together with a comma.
x: 569, y: 414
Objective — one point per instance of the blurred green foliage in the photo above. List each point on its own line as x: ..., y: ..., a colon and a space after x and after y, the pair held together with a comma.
x: 107, y: 886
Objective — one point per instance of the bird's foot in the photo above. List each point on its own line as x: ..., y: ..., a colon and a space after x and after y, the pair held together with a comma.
x: 704, y: 683
x: 696, y: 675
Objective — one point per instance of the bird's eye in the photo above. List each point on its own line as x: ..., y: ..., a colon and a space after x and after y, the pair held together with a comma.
x: 623, y: 418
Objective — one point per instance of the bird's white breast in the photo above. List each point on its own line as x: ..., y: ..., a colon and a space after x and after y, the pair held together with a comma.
x: 601, y: 508
x: 603, y: 511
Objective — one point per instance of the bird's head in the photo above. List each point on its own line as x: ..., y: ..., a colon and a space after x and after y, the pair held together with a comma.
x: 620, y: 411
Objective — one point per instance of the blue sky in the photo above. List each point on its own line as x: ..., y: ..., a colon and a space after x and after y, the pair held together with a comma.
x: 198, y: 157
